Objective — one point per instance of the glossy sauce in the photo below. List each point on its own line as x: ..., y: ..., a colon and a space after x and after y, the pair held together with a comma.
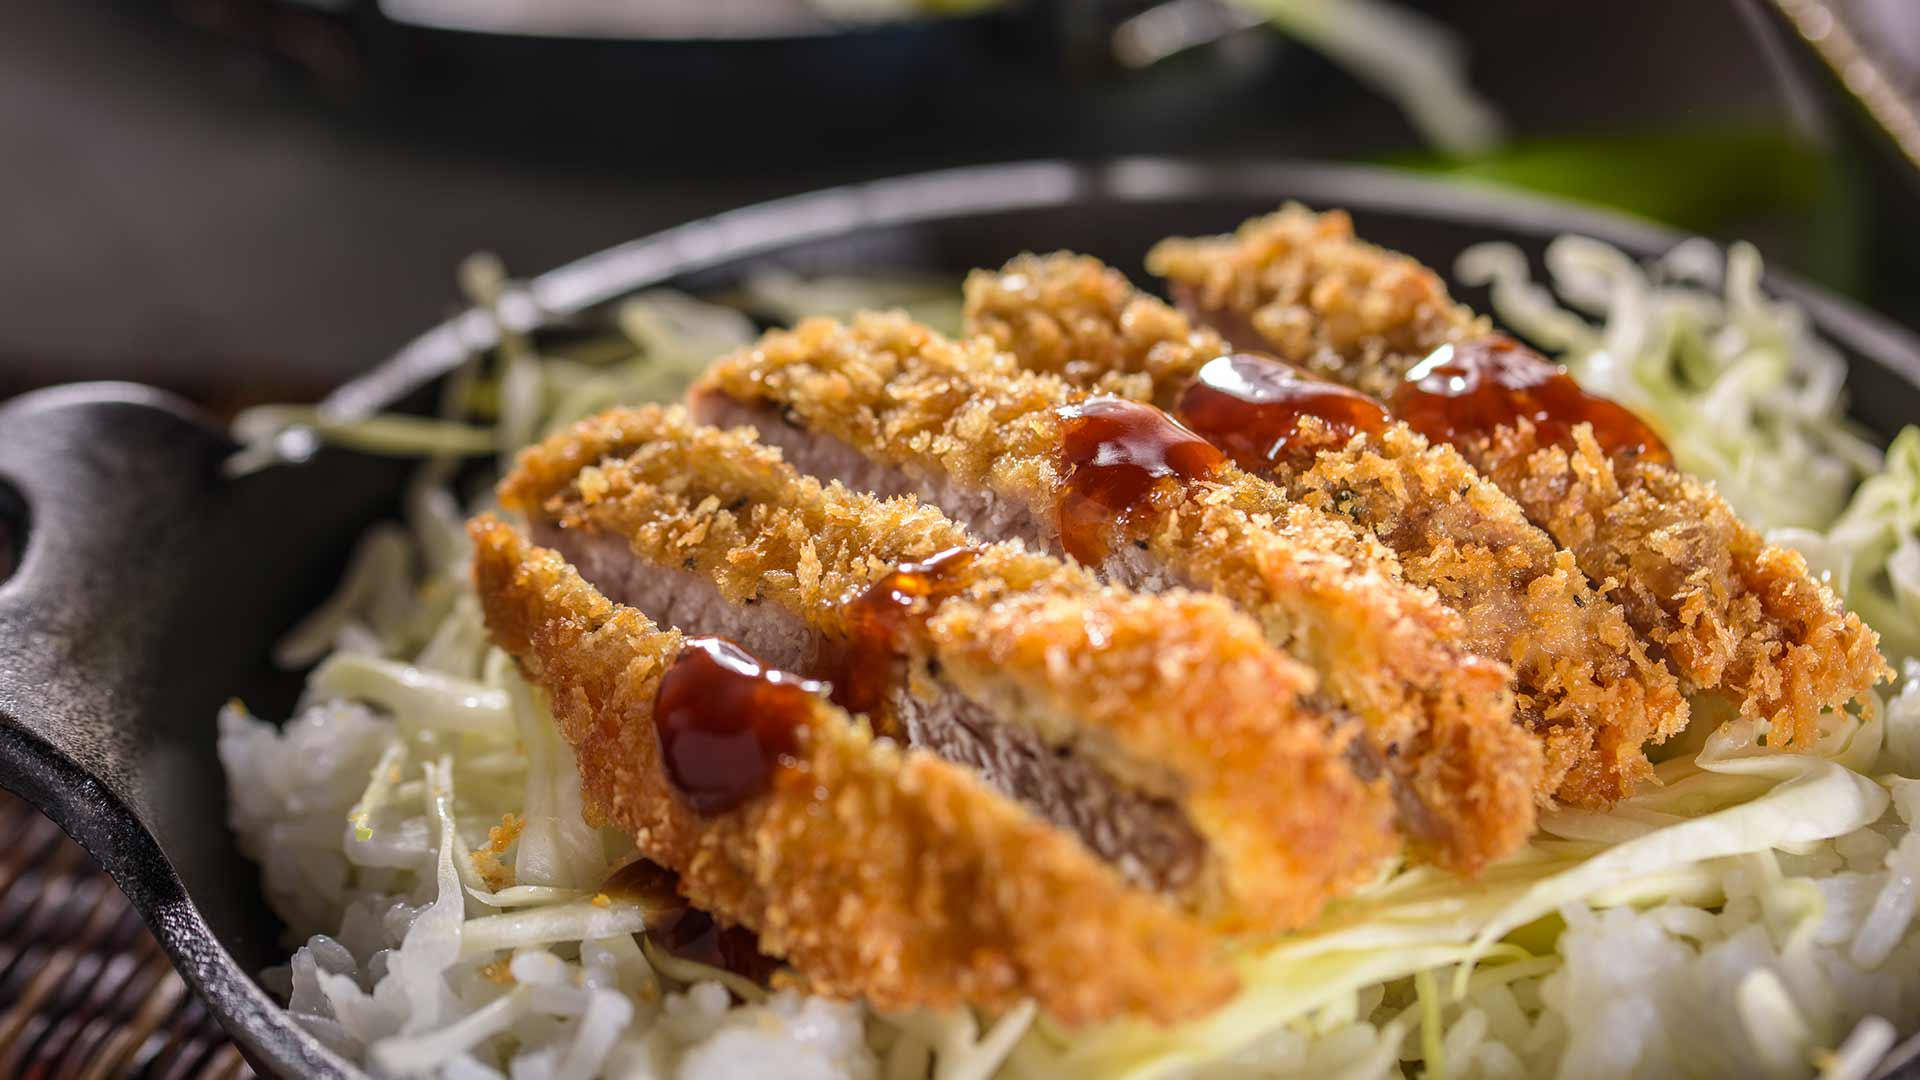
x: 726, y: 721
x: 1112, y: 454
x: 646, y: 883
x: 684, y: 931
x: 694, y: 935
x: 1473, y: 389
x: 1251, y: 406
x: 861, y: 668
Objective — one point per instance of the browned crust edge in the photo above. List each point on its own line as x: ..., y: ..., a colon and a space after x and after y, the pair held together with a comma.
x: 905, y: 396
x: 1178, y: 683
x: 1585, y: 682
x: 1732, y: 613
x: 878, y: 873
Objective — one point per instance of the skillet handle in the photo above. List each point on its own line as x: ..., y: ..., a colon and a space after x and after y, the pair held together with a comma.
x: 149, y: 590
x: 146, y: 589
x: 109, y: 484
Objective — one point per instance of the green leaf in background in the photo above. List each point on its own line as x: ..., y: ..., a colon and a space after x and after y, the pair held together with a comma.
x: 1718, y: 182
x: 1699, y: 181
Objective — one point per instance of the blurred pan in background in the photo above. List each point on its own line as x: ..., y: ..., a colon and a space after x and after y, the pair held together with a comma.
x: 689, y: 85
x: 1854, y: 66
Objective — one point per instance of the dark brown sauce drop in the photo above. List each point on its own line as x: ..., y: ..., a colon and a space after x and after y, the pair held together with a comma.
x: 1251, y: 407
x: 1473, y: 389
x: 684, y: 931
x: 861, y: 667
x: 695, y: 935
x: 1112, y: 454
x: 725, y: 722
x: 646, y: 883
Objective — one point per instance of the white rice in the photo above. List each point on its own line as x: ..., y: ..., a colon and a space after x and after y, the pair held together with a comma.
x: 1751, y: 915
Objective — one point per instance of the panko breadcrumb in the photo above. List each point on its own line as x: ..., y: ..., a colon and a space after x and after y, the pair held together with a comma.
x: 1583, y: 679
x: 1732, y: 613
x: 1176, y: 696
x: 888, y: 403
x: 879, y: 873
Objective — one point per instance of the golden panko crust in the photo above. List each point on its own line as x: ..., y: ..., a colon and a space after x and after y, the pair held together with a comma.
x: 1341, y: 309
x: 1188, y: 687
x: 1198, y: 704
x: 963, y: 412
x: 1732, y: 613
x: 1583, y: 679
x: 878, y: 873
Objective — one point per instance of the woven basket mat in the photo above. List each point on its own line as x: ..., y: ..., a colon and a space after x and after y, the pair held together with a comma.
x: 85, y: 991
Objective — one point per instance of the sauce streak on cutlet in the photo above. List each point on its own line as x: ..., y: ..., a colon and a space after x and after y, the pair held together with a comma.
x: 1473, y: 389
x: 1251, y: 406
x: 862, y: 667
x: 1113, y: 452
x: 685, y: 931
x: 726, y: 722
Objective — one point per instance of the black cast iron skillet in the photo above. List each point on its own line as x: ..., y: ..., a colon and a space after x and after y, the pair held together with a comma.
x: 149, y: 589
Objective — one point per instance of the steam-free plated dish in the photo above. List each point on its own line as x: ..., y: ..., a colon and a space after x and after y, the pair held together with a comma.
x: 1300, y: 680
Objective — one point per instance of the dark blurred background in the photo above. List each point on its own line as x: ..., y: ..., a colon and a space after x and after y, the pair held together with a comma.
x: 241, y: 198
x: 255, y: 199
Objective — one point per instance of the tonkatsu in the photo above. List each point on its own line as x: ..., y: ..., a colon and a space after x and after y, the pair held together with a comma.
x: 877, y: 871
x: 887, y: 405
x: 1732, y: 613
x: 1583, y: 680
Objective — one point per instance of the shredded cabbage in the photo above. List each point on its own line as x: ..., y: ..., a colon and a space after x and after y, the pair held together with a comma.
x: 1871, y: 553
x: 1740, y: 387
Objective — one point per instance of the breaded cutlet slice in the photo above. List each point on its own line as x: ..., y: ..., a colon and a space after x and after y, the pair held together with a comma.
x: 1731, y: 613
x: 1582, y: 678
x: 887, y: 405
x: 1163, y: 730
x: 878, y: 872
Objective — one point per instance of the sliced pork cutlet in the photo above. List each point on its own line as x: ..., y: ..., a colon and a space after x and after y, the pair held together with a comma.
x: 885, y: 404
x: 1731, y: 613
x: 1582, y: 678
x: 1163, y: 730
x: 877, y: 871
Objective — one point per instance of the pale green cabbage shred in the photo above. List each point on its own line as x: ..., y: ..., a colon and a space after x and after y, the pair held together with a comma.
x: 1408, y: 974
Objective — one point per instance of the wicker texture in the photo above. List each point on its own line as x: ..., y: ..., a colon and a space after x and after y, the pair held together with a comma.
x: 85, y: 991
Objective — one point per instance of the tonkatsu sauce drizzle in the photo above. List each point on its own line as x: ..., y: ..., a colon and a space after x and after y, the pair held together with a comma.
x: 725, y: 722
x: 1112, y: 454
x: 685, y: 931
x: 1251, y: 406
x: 1471, y: 390
x: 862, y: 668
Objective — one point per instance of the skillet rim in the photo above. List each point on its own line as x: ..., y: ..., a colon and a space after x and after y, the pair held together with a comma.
x: 917, y: 198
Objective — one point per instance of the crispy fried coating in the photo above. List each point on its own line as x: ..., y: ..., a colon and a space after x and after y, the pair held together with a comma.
x: 1176, y: 695
x: 1730, y: 612
x: 877, y: 872
x: 969, y: 428
x: 1301, y: 285
x: 1582, y: 677
x: 1078, y: 318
